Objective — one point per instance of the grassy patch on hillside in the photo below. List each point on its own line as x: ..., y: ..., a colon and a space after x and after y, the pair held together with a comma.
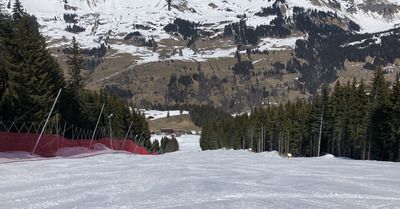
x: 180, y: 122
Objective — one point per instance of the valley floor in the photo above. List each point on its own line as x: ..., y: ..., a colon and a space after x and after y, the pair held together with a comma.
x: 199, y: 179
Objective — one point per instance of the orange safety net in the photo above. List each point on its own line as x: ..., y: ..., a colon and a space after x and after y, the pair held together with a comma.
x: 49, y: 144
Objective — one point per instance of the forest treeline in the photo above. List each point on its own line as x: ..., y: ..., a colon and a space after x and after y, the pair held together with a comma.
x: 199, y: 114
x: 166, y: 145
x: 30, y: 79
x: 354, y: 120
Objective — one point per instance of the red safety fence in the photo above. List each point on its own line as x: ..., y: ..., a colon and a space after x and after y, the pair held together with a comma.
x: 50, y: 144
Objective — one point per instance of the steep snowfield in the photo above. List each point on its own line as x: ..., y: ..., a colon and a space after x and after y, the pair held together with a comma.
x: 207, y: 179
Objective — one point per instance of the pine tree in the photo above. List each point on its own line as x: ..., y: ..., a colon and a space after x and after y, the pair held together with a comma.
x: 155, y: 147
x: 169, y: 5
x: 5, y: 31
x: 83, y: 110
x: 362, y: 119
x: 207, y: 140
x: 174, y: 144
x: 290, y: 123
x: 18, y: 10
x: 324, y: 106
x: 338, y: 118
x: 78, y: 106
x: 395, y: 97
x: 75, y: 65
x: 381, y: 128
x: 33, y: 74
x: 303, y: 116
x: 315, y: 125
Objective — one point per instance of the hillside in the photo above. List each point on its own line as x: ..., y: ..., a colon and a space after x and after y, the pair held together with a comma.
x: 232, y: 54
x: 180, y: 122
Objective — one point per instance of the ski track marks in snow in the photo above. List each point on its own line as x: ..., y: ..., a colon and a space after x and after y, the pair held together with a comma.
x: 206, y: 179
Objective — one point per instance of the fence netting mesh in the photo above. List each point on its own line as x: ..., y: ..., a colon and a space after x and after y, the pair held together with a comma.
x: 24, y: 136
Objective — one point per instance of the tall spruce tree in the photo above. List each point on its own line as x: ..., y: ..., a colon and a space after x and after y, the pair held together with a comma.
x: 324, y: 106
x: 303, y: 113
x: 381, y: 128
x: 78, y: 106
x: 5, y: 31
x: 18, y: 10
x: 362, y: 119
x: 33, y: 75
x: 314, y: 125
x: 169, y: 5
x: 395, y: 97
x: 75, y: 65
x: 338, y: 105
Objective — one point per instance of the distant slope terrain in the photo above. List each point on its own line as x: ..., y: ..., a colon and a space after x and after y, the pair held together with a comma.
x: 180, y: 122
x: 232, y: 54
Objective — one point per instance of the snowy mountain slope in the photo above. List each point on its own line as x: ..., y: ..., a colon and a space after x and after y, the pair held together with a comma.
x: 113, y: 19
x: 372, y: 16
x: 119, y: 15
x: 206, y: 179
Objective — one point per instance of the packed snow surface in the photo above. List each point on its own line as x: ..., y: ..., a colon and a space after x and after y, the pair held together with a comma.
x: 205, y: 179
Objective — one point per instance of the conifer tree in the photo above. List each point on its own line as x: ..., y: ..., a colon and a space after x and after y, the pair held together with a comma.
x: 324, y: 105
x: 4, y: 36
x: 260, y: 130
x: 302, y: 112
x: 314, y: 125
x: 207, y: 140
x: 338, y: 107
x: 290, y: 123
x: 155, y: 147
x: 169, y: 5
x: 395, y: 98
x: 75, y: 65
x: 33, y: 75
x: 78, y: 106
x: 362, y: 119
x: 83, y: 110
x: 381, y: 128
x: 140, y: 129
x: 18, y: 10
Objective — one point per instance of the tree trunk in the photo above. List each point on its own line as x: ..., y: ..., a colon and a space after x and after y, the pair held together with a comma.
x: 320, y: 134
x: 365, y: 147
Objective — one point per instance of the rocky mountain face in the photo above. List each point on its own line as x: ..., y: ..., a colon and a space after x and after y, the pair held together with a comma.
x: 233, y: 54
x: 388, y: 9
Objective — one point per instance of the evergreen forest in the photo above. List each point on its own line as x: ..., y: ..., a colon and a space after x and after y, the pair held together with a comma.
x: 354, y: 120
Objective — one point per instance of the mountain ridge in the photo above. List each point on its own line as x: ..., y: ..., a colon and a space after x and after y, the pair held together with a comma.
x: 227, y: 53
x: 99, y: 17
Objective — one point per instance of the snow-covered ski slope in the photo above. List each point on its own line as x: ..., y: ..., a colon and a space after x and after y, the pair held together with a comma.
x: 206, y: 179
